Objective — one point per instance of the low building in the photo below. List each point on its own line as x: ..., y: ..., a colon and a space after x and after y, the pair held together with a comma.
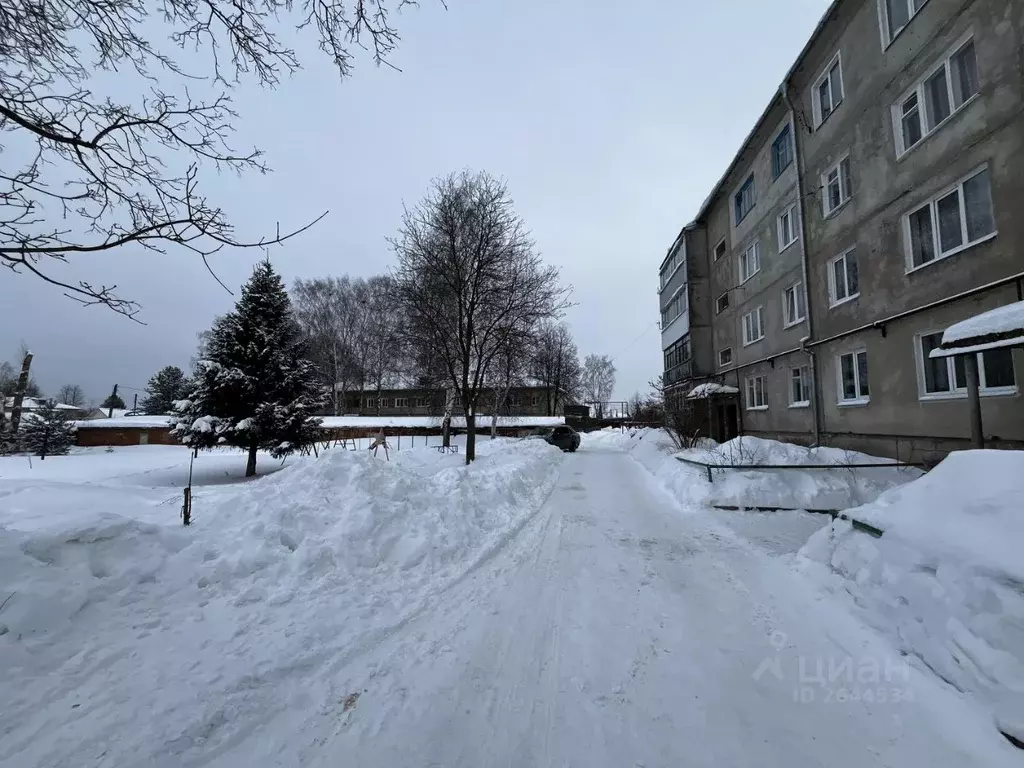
x: 532, y: 400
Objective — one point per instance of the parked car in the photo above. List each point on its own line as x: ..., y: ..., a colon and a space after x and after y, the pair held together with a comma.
x: 564, y: 437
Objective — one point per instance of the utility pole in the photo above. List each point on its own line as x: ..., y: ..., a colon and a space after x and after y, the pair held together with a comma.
x: 113, y: 396
x: 135, y: 403
x: 19, y: 393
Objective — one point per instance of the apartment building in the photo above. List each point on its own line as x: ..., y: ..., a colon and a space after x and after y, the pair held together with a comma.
x: 875, y: 202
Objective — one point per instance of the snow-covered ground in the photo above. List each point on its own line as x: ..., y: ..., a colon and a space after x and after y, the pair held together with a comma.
x: 534, y: 609
x: 946, y: 581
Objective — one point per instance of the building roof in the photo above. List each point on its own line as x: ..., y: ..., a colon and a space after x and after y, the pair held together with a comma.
x: 995, y: 329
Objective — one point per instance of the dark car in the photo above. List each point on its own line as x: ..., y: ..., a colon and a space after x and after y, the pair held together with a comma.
x: 564, y: 437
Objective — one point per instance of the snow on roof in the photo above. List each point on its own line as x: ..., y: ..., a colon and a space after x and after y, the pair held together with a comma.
x: 336, y: 422
x: 999, y: 327
x: 126, y: 422
x: 709, y: 389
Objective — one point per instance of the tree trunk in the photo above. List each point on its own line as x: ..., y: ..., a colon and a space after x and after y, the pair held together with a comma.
x: 19, y: 393
x: 470, y: 435
x: 494, y: 416
x: 250, y: 467
x: 446, y: 422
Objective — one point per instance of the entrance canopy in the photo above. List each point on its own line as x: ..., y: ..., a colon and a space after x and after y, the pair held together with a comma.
x: 996, y: 329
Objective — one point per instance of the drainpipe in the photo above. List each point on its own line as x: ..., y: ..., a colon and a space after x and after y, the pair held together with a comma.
x: 816, y: 411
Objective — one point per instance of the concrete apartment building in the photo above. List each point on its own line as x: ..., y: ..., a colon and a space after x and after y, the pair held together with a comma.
x: 876, y: 201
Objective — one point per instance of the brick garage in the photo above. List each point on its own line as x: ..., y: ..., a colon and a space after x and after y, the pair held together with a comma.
x: 96, y: 436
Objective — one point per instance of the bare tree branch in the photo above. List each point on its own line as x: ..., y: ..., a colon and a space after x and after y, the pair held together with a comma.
x: 81, y: 173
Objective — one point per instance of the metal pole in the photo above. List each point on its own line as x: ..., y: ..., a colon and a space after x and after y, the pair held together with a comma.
x: 974, y: 401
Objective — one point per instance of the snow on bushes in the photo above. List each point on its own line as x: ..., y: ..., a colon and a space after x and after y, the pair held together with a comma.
x: 946, y: 580
x: 790, y: 488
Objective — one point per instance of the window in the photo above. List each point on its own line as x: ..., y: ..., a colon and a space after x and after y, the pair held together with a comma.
x: 757, y: 394
x: 753, y: 326
x: 384, y: 403
x: 750, y: 262
x: 457, y: 400
x: 676, y: 260
x: 951, y: 222
x: 782, y: 152
x: 828, y: 91
x: 745, y: 199
x: 720, y: 250
x: 725, y: 357
x: 843, y: 278
x: 534, y: 400
x: 853, y: 377
x: 799, y: 386
x: 722, y: 303
x: 371, y: 403
x: 837, y: 185
x: 675, y: 307
x: 944, y: 377
x: 793, y: 304
x: 896, y: 14
x: 787, y: 228
x: 678, y: 354
x: 401, y: 402
x: 939, y: 95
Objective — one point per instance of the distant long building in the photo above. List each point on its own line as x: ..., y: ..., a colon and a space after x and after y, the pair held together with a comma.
x: 531, y: 400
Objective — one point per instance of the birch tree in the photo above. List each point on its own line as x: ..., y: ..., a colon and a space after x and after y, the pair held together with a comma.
x: 468, y: 280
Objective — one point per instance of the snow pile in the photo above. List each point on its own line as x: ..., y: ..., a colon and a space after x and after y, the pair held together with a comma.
x: 129, y: 642
x: 789, y: 488
x: 946, y: 580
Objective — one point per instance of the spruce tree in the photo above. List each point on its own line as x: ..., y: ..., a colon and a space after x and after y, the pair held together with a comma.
x: 46, y: 432
x: 165, y: 387
x: 254, y: 388
x: 112, y: 401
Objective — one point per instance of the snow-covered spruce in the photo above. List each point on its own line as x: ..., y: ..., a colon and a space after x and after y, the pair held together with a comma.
x: 167, y: 386
x: 46, y: 432
x: 254, y: 388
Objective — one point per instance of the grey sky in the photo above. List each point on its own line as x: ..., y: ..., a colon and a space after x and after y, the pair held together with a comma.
x: 611, y: 121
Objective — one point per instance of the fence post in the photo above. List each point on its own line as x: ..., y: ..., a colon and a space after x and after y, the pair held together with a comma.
x: 711, y: 479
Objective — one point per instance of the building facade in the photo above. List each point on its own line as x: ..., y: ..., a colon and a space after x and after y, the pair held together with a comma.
x: 872, y: 205
x: 520, y: 401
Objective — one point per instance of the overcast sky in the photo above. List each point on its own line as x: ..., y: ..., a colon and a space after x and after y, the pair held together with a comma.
x: 610, y: 121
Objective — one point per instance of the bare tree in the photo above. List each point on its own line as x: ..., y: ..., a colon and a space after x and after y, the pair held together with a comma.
x: 468, y: 280
x: 598, y: 380
x: 71, y: 394
x: 90, y: 173
x: 556, y: 365
x: 381, y: 326
x: 328, y: 311
x: 508, y: 370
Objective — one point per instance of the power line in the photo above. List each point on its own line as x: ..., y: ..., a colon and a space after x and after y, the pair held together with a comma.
x: 634, y: 341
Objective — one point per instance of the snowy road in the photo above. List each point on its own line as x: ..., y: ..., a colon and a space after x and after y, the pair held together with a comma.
x: 618, y: 629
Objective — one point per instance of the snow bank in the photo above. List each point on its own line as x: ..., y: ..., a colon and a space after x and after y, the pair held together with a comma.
x: 790, y: 488
x: 946, y: 580
x: 128, y: 642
